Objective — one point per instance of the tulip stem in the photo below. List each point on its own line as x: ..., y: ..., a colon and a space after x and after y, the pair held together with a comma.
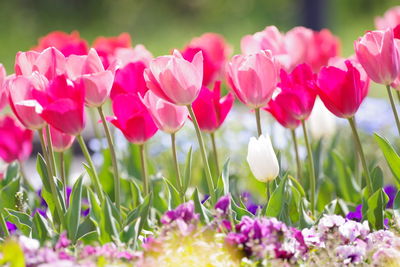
x: 311, y: 165
x: 4, y: 225
x: 296, y: 151
x: 50, y: 175
x: 94, y: 177
x: 361, y: 153
x: 52, y: 161
x: 117, y: 182
x: 396, y: 116
x: 63, y: 176
x: 203, y: 154
x: 258, y: 120
x: 178, y: 173
x: 268, y: 191
x: 398, y: 95
x: 145, y: 177
x: 214, y: 146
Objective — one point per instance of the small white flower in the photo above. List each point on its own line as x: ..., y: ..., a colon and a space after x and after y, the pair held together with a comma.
x: 262, y: 159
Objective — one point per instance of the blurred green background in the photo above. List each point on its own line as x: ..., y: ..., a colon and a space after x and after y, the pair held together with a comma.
x: 165, y: 24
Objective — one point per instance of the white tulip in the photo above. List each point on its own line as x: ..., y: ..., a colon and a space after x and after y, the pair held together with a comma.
x: 322, y: 122
x: 262, y: 159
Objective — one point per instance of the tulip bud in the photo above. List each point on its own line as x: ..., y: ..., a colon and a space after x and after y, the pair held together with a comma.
x: 321, y: 121
x: 262, y: 159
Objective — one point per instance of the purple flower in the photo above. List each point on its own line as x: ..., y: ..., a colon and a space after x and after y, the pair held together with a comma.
x: 63, y: 241
x: 248, y: 202
x: 391, y: 192
x: 12, y: 228
x: 183, y: 217
x: 223, y: 204
x: 205, y: 198
x: 355, y: 215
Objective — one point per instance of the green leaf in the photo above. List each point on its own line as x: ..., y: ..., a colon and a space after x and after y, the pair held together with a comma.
x: 40, y: 228
x: 108, y: 230
x: 95, y: 209
x: 298, y: 186
x: 199, y: 208
x: 347, y: 186
x: 173, y: 193
x: 396, y: 205
x: 336, y: 206
x: 225, y: 177
x: 376, y: 208
x: 86, y: 227
x: 377, y: 178
x: 135, y: 214
x: 11, y: 173
x: 277, y: 199
x: 74, y: 210
x: 238, y: 212
x: 305, y: 220
x: 188, y: 170
x: 391, y: 156
x: 22, y: 220
x: 7, y: 194
x: 41, y: 168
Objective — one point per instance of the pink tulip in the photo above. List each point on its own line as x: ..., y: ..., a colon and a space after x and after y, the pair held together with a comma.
x: 3, y: 90
x: 107, y: 46
x: 175, y: 79
x: 253, y: 78
x: 378, y: 53
x: 133, y: 118
x: 215, y: 53
x: 210, y: 109
x: 22, y: 101
x: 124, y: 56
x: 323, y: 47
x: 68, y: 44
x: 89, y: 71
x: 62, y: 105
x: 60, y: 141
x: 129, y: 80
x: 391, y: 19
x: 50, y: 63
x: 15, y: 141
x: 167, y: 116
x: 342, y: 90
x: 296, y: 98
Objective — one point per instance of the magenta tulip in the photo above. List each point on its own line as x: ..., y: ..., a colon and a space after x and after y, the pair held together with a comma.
x: 15, y: 141
x: 378, y: 53
x: 215, y: 53
x: 321, y: 49
x: 59, y: 140
x: 253, y: 78
x: 342, y: 90
x: 210, y: 109
x: 129, y: 80
x: 22, y: 101
x: 68, y: 44
x: 168, y: 117
x: 133, y: 118
x: 62, y: 105
x: 89, y: 71
x: 175, y: 79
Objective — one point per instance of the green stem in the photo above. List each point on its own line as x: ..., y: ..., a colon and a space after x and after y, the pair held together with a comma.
x: 178, y: 173
x: 145, y: 177
x: 52, y: 161
x: 93, y: 119
x: 311, y: 165
x: 94, y: 177
x: 214, y: 146
x: 296, y: 151
x: 50, y: 175
x: 209, y: 179
x: 63, y: 176
x: 4, y: 225
x: 268, y: 191
x: 398, y: 95
x: 361, y: 153
x: 117, y: 181
x: 396, y: 116
x: 258, y: 120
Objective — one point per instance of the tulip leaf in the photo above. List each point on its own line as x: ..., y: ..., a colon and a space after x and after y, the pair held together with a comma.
x: 108, y: 229
x: 396, y: 206
x: 95, y: 209
x: 136, y: 213
x: 376, y: 209
x: 225, y: 177
x: 188, y: 171
x: 199, y: 207
x: 276, y: 200
x: 85, y: 227
x: 391, y: 156
x: 174, y: 199
x: 297, y: 185
x: 74, y: 210
x: 377, y: 178
x: 7, y: 193
x: 305, y: 220
x: 11, y: 173
x: 21, y: 220
x: 40, y: 228
x: 41, y: 168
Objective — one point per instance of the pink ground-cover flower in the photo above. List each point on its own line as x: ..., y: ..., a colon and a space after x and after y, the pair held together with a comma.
x: 378, y: 53
x: 253, y: 78
x: 62, y: 105
x: 210, y: 109
x: 129, y: 80
x: 60, y: 141
x: 342, y: 90
x: 215, y: 52
x: 133, y: 118
x: 175, y: 79
x: 22, y: 101
x: 391, y: 19
x: 15, y: 141
x: 68, y: 44
x: 167, y: 116
x: 89, y: 71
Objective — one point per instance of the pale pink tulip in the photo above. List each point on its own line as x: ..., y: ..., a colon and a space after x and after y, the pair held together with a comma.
x: 3, y: 90
x: 253, y: 78
x: 391, y: 19
x: 175, y: 79
x: 378, y: 53
x: 129, y: 55
x: 167, y: 116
